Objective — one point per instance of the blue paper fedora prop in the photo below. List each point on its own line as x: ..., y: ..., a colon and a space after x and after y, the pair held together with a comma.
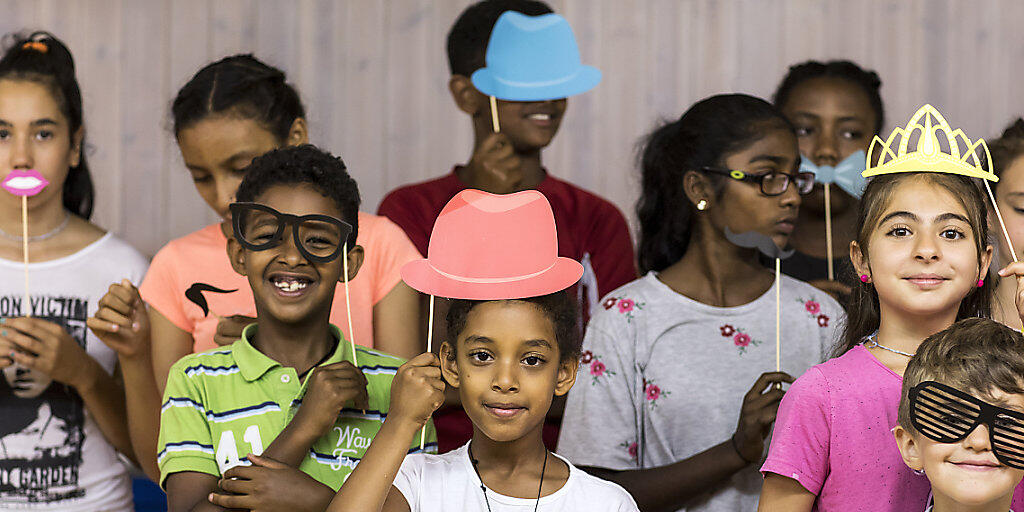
x: 533, y: 58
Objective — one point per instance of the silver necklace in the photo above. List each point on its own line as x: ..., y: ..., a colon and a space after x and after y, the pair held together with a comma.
x: 38, y: 238
x: 872, y: 342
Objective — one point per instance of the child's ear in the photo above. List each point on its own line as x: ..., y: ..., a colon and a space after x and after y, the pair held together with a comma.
x: 910, y: 450
x: 466, y: 97
x: 566, y: 375
x: 236, y: 255
x: 298, y: 134
x: 449, y: 368
x: 986, y: 261
x: 355, y: 261
x: 75, y: 158
x: 697, y: 189
x: 860, y: 263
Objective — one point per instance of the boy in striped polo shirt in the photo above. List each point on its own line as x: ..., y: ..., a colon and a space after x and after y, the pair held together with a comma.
x: 289, y: 387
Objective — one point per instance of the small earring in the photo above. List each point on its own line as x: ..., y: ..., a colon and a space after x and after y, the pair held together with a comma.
x: 864, y: 278
x: 981, y: 282
x: 918, y: 472
x: 702, y: 204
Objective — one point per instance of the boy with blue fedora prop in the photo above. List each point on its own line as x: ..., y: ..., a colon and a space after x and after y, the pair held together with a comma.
x: 526, y: 58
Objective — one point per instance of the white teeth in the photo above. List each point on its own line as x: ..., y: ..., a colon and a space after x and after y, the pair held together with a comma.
x: 288, y: 285
x: 540, y: 117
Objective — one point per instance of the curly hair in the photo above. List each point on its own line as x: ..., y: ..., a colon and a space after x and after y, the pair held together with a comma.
x: 557, y: 307
x: 304, y: 165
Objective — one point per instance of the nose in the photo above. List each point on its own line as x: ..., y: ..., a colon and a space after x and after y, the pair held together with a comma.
x: 505, y: 377
x: 826, y: 148
x: 226, y: 189
x: 926, y: 249
x: 289, y: 251
x: 978, y: 439
x: 21, y: 154
x: 791, y: 197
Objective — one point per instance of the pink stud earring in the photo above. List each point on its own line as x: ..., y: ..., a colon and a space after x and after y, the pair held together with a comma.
x: 864, y: 278
x: 981, y: 282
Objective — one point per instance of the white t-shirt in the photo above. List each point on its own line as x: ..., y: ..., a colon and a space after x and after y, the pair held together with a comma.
x: 52, y: 453
x: 448, y: 483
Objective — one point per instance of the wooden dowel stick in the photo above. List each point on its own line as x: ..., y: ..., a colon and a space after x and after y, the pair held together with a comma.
x: 1002, y: 225
x: 430, y: 347
x: 348, y: 308
x: 828, y: 232
x: 778, y: 315
x: 27, y: 310
x: 494, y: 115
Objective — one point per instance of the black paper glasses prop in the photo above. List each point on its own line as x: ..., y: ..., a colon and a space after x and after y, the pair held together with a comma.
x: 773, y: 183
x: 947, y: 415
x: 319, y: 238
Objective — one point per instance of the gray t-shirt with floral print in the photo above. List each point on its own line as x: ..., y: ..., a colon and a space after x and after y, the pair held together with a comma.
x: 679, y: 368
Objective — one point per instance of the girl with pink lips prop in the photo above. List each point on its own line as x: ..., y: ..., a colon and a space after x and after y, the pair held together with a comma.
x: 24, y: 184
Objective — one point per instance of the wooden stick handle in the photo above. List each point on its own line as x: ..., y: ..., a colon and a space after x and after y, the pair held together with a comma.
x: 27, y: 310
x: 1006, y: 234
x: 494, y: 115
x: 430, y: 347
x: 828, y: 232
x: 778, y: 315
x: 348, y: 307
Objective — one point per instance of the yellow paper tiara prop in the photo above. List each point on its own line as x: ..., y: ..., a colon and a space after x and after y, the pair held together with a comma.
x: 918, y: 148
x: 929, y: 144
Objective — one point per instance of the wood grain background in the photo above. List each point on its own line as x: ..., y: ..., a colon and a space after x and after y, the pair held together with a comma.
x: 373, y: 75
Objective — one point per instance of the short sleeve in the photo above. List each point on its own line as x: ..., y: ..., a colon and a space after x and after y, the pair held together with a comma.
x: 800, y: 439
x: 599, y: 426
x: 159, y: 289
x: 414, y: 223
x: 409, y: 479
x: 185, y: 442
x: 390, y: 249
x: 611, y: 250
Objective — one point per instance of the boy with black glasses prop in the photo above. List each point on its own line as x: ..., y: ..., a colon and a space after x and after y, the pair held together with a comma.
x: 961, y: 416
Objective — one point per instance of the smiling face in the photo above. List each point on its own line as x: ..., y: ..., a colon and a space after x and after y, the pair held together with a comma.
x: 833, y: 119
x: 286, y: 286
x: 530, y: 125
x: 742, y: 207
x: 507, y: 367
x: 965, y: 472
x: 922, y: 254
x: 216, y: 151
x: 34, y: 134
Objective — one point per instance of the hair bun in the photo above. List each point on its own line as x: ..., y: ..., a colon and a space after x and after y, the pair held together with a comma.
x: 1015, y: 130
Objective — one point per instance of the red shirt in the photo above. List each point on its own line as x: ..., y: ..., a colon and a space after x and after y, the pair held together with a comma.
x: 591, y: 230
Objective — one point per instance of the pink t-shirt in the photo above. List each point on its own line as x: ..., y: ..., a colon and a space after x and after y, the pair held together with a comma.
x: 833, y: 434
x: 201, y: 257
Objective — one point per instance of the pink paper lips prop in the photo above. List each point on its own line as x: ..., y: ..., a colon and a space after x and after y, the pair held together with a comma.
x: 24, y: 183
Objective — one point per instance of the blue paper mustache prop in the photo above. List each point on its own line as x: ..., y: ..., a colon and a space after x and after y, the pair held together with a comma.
x: 755, y: 240
x: 846, y: 175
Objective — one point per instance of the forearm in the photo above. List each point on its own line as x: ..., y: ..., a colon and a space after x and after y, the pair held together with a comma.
x: 104, y: 399
x: 143, y: 405
x: 668, y: 488
x: 292, y: 445
x: 368, y: 485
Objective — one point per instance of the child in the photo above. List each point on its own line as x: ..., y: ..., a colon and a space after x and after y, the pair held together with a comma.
x: 837, y: 109
x: 507, y: 357
x: 922, y: 256
x: 961, y: 415
x: 1008, y: 163
x: 678, y: 397
x: 295, y: 219
x: 63, y: 411
x: 590, y: 229
x: 230, y: 112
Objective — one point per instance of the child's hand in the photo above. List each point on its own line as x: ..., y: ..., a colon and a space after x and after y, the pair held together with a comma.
x: 47, y: 348
x: 269, y: 485
x: 417, y: 390
x: 1016, y: 269
x: 496, y: 157
x: 760, y: 405
x: 330, y: 388
x: 229, y: 329
x: 122, y: 322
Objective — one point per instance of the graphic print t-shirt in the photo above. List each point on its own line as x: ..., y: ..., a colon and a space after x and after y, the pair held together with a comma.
x: 52, y: 454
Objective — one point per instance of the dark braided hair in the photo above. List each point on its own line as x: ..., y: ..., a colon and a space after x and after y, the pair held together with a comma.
x: 42, y: 58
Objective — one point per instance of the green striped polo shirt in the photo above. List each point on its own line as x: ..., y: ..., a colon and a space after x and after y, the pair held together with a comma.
x: 222, y: 404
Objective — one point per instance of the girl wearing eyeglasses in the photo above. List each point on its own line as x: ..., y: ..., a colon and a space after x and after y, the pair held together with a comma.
x: 676, y: 393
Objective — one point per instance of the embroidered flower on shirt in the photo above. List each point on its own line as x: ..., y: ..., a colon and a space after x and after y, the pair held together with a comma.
x: 625, y: 306
x: 739, y: 338
x: 586, y: 357
x: 631, y: 448
x: 653, y: 392
x: 597, y: 369
x: 813, y: 309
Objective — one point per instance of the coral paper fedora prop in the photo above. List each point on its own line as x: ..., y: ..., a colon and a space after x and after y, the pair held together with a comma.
x: 533, y: 58
x: 492, y: 247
